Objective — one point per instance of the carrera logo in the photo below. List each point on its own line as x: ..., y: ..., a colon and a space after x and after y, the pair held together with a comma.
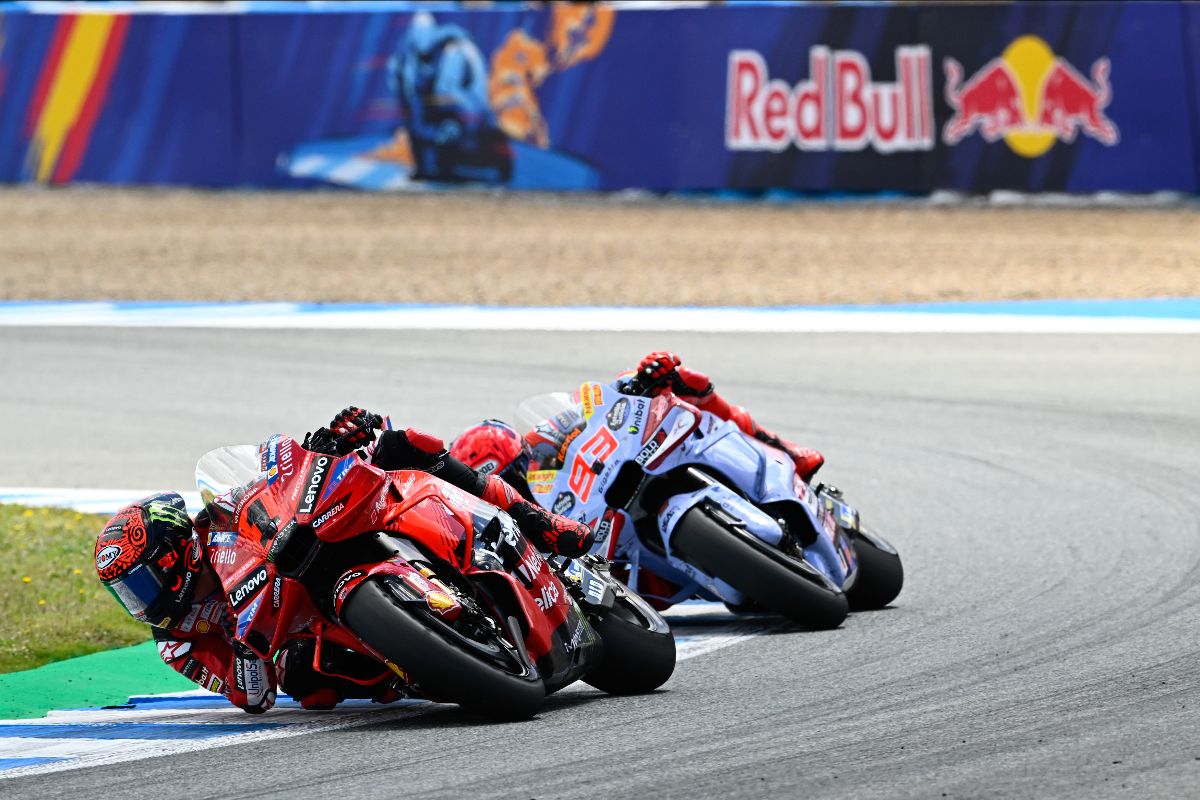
x: 332, y: 512
x: 317, y: 473
x: 246, y: 589
x: 107, y: 555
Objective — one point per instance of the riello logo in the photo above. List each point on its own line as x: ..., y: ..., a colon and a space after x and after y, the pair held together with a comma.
x: 839, y: 107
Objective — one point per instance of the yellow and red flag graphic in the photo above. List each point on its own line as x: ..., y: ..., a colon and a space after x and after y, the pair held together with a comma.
x: 70, y: 92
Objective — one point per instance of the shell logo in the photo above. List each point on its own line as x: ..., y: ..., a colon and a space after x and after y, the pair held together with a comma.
x: 1030, y: 98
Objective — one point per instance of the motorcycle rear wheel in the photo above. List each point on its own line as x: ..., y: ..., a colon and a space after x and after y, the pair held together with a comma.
x: 440, y: 660
x: 637, y: 659
x: 764, y: 574
x: 880, y: 576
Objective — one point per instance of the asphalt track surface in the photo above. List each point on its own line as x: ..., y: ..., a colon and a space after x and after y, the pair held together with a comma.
x: 1042, y: 490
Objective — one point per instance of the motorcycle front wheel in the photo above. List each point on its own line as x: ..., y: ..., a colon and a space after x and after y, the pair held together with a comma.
x: 880, y: 573
x: 481, y: 672
x: 780, y: 582
x: 639, y: 650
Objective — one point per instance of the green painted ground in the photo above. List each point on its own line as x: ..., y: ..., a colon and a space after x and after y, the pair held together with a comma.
x: 52, y: 606
x: 54, y: 612
x: 100, y: 679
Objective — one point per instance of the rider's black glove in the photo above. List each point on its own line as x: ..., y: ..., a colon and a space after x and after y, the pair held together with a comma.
x: 351, y: 429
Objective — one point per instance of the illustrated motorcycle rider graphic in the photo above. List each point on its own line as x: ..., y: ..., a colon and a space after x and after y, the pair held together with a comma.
x: 499, y: 449
x: 441, y: 83
x: 158, y: 563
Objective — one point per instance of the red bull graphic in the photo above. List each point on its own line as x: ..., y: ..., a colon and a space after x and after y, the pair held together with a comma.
x: 838, y: 108
x: 1030, y: 98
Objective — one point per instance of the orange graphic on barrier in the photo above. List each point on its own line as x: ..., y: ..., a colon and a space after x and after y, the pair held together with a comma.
x: 519, y: 66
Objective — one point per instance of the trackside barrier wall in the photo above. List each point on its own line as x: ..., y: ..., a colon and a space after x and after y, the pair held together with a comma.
x: 1031, y: 96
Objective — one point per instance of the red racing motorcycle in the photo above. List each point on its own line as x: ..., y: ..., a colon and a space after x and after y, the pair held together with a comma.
x: 432, y: 585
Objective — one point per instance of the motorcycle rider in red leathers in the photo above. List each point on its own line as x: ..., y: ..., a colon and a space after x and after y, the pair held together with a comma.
x: 156, y: 561
x: 496, y: 448
x: 664, y: 371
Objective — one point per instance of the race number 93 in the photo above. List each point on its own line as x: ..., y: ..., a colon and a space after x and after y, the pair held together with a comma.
x: 597, y: 448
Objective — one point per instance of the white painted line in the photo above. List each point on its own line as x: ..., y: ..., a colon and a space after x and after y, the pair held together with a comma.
x: 717, y: 320
x: 318, y: 722
x: 21, y: 747
x: 86, y: 501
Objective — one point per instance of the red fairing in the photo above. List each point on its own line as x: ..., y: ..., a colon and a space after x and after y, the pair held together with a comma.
x: 437, y: 596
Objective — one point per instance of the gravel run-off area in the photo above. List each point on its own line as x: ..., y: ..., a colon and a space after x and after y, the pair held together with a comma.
x: 532, y: 249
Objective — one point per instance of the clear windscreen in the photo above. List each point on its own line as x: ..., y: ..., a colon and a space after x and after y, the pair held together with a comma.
x: 225, y: 468
x: 541, y: 408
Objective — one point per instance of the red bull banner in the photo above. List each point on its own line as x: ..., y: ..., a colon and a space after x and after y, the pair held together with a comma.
x: 812, y: 98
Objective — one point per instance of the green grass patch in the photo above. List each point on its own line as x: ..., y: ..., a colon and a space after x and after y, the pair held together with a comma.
x: 52, y: 605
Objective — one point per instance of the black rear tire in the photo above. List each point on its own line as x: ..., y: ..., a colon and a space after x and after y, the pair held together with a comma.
x: 880, y: 576
x: 437, y: 661
x: 637, y: 660
x: 765, y: 575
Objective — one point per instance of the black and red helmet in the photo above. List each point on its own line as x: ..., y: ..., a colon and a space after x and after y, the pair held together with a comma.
x: 150, y: 557
x: 493, y: 448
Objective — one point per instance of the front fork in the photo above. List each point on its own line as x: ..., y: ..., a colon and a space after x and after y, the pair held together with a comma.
x: 590, y: 582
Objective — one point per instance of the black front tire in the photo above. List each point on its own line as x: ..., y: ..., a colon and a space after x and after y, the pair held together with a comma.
x: 880, y: 576
x: 765, y: 575
x: 436, y: 659
x: 637, y: 659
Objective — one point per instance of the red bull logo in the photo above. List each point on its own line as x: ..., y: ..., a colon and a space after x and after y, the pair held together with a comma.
x: 838, y: 108
x: 1030, y: 98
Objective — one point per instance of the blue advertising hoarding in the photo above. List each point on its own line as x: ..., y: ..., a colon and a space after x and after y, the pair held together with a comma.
x: 1050, y: 96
